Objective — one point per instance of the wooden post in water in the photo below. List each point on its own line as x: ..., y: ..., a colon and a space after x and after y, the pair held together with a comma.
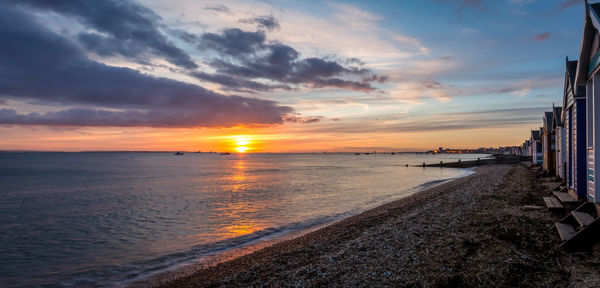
x: 441, y: 163
x: 423, y: 164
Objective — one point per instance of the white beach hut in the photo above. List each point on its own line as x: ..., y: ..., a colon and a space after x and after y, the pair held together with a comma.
x: 536, y: 147
x: 526, y: 148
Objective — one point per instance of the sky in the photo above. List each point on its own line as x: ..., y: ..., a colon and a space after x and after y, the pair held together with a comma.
x: 280, y: 76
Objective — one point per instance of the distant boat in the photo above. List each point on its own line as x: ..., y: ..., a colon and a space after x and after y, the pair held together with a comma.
x: 356, y: 153
x: 179, y: 153
x: 393, y: 153
x: 225, y: 153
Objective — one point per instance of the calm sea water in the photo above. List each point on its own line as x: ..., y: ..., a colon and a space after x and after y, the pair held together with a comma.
x: 102, y: 219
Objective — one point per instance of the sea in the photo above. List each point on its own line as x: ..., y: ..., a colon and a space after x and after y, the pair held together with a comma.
x: 103, y: 219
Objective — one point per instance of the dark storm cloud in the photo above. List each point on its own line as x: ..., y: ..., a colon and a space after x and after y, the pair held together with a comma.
x: 122, y: 27
x: 40, y: 66
x: 126, y: 118
x: 339, y: 83
x: 267, y: 22
x: 133, y: 31
x: 233, y: 42
x: 248, y: 55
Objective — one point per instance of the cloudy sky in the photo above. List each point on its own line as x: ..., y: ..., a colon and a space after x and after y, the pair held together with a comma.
x: 283, y: 76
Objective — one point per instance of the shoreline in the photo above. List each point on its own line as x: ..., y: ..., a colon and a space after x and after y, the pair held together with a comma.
x: 426, y: 190
x: 184, y: 269
x: 473, y: 231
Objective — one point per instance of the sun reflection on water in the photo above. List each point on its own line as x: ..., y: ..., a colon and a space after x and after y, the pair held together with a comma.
x: 238, y: 213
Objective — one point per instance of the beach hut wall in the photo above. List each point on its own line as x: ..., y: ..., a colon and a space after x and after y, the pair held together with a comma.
x: 587, y: 75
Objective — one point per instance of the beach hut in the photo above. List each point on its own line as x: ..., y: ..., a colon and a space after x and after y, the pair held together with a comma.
x: 587, y: 74
x: 537, y: 156
x: 548, y: 144
x: 574, y: 124
x: 581, y: 103
x: 526, y: 148
x: 559, y: 143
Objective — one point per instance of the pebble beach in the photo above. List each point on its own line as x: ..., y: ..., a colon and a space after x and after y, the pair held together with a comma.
x: 473, y: 231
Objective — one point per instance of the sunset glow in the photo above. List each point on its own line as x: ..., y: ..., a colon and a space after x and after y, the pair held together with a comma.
x: 242, y: 143
x: 350, y: 76
x: 167, y: 142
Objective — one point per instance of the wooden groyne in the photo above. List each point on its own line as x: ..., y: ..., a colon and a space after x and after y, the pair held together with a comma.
x: 497, y: 159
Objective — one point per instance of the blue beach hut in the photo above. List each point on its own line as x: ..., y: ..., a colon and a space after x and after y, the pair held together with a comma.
x: 574, y: 122
x: 587, y: 74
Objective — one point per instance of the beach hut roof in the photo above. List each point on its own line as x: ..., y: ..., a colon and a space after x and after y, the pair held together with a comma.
x: 568, y: 91
x: 590, y: 32
x: 535, y: 134
x: 556, y: 116
x: 571, y: 71
x: 548, y: 120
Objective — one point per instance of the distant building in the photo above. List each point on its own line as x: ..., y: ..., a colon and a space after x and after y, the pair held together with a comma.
x: 548, y: 144
x: 537, y: 157
x: 559, y: 132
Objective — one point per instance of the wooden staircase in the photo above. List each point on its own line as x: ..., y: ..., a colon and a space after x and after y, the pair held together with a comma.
x: 580, y: 228
x: 560, y: 199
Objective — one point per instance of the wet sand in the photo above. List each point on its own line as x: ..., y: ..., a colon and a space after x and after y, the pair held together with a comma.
x: 473, y: 231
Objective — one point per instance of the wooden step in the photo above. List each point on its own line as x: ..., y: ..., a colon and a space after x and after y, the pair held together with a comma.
x: 587, y: 207
x: 565, y: 231
x: 564, y: 197
x: 584, y: 219
x: 552, y: 203
x: 584, y: 238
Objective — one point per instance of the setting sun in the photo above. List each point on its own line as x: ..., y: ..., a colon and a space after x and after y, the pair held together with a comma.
x: 242, y: 143
x: 241, y: 149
